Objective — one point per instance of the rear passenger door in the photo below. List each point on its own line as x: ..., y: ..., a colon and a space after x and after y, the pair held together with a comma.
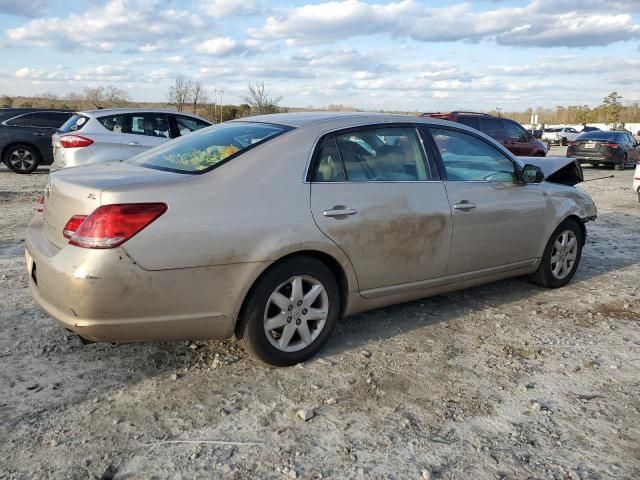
x: 375, y: 193
x: 143, y: 131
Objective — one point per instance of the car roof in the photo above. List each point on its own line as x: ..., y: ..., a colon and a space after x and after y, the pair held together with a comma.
x: 303, y: 119
x: 100, y: 112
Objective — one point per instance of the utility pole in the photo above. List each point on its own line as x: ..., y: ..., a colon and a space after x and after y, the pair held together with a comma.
x: 221, y: 92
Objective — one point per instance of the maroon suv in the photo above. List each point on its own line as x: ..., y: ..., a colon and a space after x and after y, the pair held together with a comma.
x: 509, y: 133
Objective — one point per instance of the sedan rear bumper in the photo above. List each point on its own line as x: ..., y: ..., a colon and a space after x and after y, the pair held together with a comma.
x: 103, y: 295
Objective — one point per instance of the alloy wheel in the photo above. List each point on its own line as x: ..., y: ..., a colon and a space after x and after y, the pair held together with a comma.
x: 564, y: 254
x: 21, y: 159
x: 296, y: 313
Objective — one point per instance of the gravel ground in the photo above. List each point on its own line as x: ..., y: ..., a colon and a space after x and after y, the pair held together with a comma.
x: 506, y: 380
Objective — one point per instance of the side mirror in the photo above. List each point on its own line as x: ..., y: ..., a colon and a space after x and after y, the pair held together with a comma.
x: 532, y: 174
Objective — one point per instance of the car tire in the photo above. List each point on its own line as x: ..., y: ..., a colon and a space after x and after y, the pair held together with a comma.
x: 300, y: 299
x: 622, y: 164
x: 561, y: 258
x: 564, y: 142
x: 21, y: 158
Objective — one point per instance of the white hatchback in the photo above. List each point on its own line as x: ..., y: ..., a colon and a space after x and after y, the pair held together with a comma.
x: 117, y: 134
x: 636, y: 180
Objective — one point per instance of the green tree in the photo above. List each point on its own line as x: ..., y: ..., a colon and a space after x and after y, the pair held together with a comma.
x: 612, y: 107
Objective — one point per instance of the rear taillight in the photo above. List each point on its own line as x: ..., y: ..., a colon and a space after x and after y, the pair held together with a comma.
x: 573, y: 144
x: 609, y: 145
x: 74, y: 141
x: 40, y: 207
x: 111, y: 225
x: 72, y: 225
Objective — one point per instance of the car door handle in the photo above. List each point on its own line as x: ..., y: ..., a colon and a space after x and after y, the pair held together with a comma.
x: 339, y: 211
x: 465, y: 206
x: 135, y: 144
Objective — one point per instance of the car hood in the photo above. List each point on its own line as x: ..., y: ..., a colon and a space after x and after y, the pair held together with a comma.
x: 564, y: 170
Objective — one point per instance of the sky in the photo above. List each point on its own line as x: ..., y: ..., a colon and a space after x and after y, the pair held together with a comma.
x: 406, y: 55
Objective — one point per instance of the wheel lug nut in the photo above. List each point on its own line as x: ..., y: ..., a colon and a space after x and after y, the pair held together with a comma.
x: 288, y: 319
x: 290, y: 307
x: 304, y: 311
x: 298, y: 322
x: 299, y: 302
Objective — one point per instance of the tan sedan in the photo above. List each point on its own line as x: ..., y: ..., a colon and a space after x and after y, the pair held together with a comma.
x: 271, y: 228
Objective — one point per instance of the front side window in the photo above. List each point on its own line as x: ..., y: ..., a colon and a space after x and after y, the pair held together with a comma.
x: 113, y: 123
x: 468, y: 158
x: 204, y: 150
x: 385, y: 154
x: 514, y: 130
x: 187, y: 125
x: 149, y: 124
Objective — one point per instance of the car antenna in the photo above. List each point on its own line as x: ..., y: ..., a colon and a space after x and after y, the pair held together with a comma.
x: 599, y: 178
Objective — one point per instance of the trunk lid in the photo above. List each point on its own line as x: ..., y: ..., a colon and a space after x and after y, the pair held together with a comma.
x: 78, y: 191
x: 592, y: 146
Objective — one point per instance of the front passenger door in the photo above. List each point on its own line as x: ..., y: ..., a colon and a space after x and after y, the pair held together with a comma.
x: 498, y: 222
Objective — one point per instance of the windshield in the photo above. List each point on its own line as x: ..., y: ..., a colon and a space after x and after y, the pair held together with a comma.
x: 207, y: 148
x: 599, y: 136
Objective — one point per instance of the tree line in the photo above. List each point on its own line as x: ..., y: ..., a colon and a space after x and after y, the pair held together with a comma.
x: 193, y: 96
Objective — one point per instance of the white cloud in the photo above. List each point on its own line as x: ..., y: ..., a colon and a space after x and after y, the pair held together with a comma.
x: 219, y: 46
x: 22, y: 8
x: 230, y: 8
x: 533, y: 25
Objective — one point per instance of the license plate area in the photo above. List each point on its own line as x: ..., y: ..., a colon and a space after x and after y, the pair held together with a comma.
x: 590, y: 145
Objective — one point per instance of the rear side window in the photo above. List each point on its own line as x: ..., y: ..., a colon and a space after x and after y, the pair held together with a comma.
x: 386, y: 154
x: 75, y: 123
x: 21, y: 121
x: 50, y: 119
x: 493, y: 127
x: 113, y: 123
x: 473, y: 122
x: 187, y: 125
x: 329, y: 167
x: 202, y: 151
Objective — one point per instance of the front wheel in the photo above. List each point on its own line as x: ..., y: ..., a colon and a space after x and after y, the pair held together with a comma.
x: 561, y: 256
x: 291, y: 312
x: 21, y: 158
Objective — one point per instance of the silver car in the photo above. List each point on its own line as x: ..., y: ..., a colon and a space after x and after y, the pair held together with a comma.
x: 117, y: 134
x: 273, y: 227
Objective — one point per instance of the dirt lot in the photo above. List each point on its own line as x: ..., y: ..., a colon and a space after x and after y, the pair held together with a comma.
x: 506, y: 380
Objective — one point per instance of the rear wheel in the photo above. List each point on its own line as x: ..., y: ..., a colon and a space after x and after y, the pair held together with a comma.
x: 622, y: 163
x: 21, y: 158
x: 561, y: 256
x: 291, y: 311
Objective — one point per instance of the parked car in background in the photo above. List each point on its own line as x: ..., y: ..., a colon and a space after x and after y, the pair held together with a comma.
x: 636, y: 179
x: 273, y: 227
x: 605, y: 148
x: 505, y: 131
x: 117, y: 134
x: 560, y: 135
x: 25, y: 136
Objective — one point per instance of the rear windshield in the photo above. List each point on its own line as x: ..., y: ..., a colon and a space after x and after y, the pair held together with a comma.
x: 75, y: 123
x: 599, y: 136
x: 207, y: 148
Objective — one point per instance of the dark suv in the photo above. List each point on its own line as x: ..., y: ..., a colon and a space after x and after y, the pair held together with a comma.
x: 509, y: 133
x: 25, y: 136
